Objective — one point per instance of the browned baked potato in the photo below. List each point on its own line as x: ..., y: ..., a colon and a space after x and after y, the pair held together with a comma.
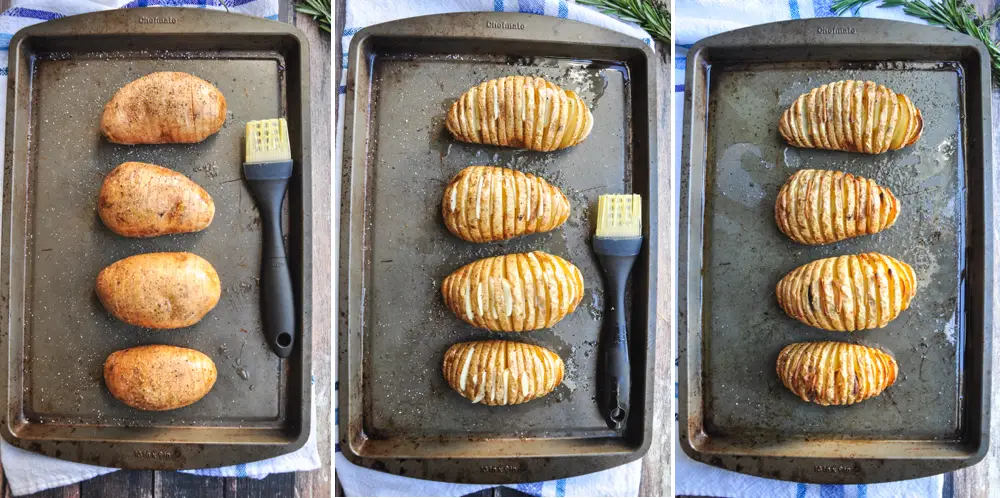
x: 164, y: 108
x: 160, y: 290
x: 520, y: 111
x: 819, y: 207
x: 514, y: 293
x: 145, y: 200
x: 835, y: 373
x: 848, y: 293
x: 487, y: 203
x: 159, y: 377
x: 501, y: 372
x: 853, y: 116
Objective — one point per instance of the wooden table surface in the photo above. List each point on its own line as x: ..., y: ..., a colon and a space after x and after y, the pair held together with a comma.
x: 148, y: 484
x: 657, y: 479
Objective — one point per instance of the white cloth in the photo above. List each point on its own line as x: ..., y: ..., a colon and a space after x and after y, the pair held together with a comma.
x: 694, y: 20
x: 358, y: 481
x: 29, y: 472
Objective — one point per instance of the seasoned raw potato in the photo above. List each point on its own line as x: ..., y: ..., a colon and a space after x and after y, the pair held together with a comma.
x: 164, y: 108
x: 145, y: 200
x: 486, y: 203
x: 514, y: 293
x: 855, y: 116
x: 835, y: 373
x: 160, y: 290
x: 848, y: 293
x: 520, y: 111
x: 819, y: 207
x: 159, y: 377
x: 499, y: 373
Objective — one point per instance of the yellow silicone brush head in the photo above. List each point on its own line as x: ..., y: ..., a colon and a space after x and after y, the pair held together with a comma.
x: 267, y: 141
x: 619, y: 216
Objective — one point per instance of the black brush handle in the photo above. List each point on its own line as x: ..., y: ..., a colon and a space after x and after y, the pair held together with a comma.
x: 614, y: 371
x: 277, y: 303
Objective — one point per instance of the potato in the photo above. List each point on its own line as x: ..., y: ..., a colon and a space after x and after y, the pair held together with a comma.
x: 819, y: 207
x: 487, y: 203
x: 514, y: 293
x: 854, y: 116
x: 145, y: 200
x: 160, y: 290
x: 835, y: 373
x: 501, y: 372
x: 164, y: 108
x: 848, y: 293
x: 520, y: 111
x: 159, y: 377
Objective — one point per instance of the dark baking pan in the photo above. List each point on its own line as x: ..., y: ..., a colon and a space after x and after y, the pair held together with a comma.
x: 734, y: 411
x: 397, y: 412
x: 56, y: 335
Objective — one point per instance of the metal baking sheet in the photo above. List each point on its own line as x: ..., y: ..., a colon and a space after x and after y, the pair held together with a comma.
x: 734, y: 411
x: 397, y: 412
x: 56, y: 334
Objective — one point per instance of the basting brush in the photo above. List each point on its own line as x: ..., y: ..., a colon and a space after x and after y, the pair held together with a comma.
x: 617, y: 243
x: 268, y: 168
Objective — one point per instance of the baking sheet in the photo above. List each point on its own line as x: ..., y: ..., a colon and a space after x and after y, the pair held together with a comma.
x: 400, y: 408
x: 55, y: 245
x: 735, y: 413
x: 746, y: 255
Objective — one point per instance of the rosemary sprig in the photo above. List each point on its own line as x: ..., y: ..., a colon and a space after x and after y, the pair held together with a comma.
x: 651, y: 17
x: 320, y: 10
x: 956, y: 15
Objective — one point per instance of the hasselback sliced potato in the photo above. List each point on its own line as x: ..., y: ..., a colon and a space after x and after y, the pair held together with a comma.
x: 498, y: 373
x: 819, y: 207
x: 848, y: 293
x: 514, y: 293
x: 835, y: 373
x: 520, y: 111
x: 487, y: 203
x: 854, y: 116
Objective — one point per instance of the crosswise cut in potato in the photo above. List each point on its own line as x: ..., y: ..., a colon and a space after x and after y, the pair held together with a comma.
x: 835, y: 373
x: 819, y: 207
x: 162, y: 108
x: 520, y: 111
x: 848, y: 293
x: 161, y: 290
x: 514, y: 293
x: 486, y: 203
x: 145, y: 200
x: 159, y: 377
x: 501, y: 372
x: 854, y: 116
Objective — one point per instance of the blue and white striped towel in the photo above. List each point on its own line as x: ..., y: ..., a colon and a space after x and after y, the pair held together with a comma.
x: 30, y: 472
x: 694, y: 20
x: 358, y: 481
